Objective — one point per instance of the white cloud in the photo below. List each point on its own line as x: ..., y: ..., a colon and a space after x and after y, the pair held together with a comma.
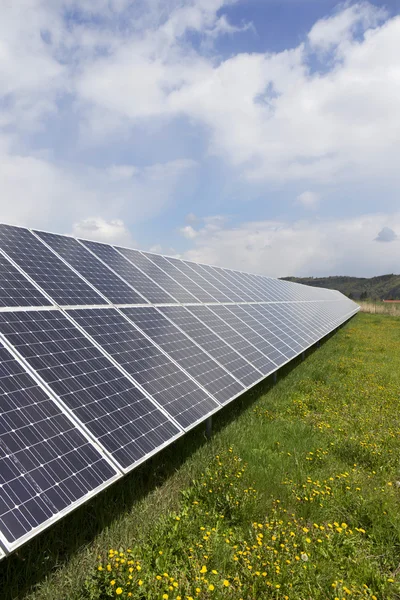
x: 317, y: 247
x: 100, y: 230
x: 188, y: 232
x: 309, y: 200
x: 35, y: 192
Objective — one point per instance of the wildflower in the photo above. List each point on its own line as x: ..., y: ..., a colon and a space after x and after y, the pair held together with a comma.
x: 165, y: 596
x: 118, y: 591
x: 304, y: 557
x: 203, y: 569
x: 112, y: 582
x: 226, y: 583
x: 211, y: 587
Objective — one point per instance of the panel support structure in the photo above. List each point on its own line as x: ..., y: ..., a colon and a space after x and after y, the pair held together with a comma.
x: 209, y: 428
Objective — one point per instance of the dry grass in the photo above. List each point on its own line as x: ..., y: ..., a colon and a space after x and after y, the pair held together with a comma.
x: 381, y: 308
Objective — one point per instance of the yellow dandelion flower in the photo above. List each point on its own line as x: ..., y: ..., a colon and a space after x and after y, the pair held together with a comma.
x: 118, y: 591
x: 226, y: 583
x: 165, y: 596
x: 211, y: 587
x: 99, y: 568
x: 140, y: 582
x: 112, y: 582
x: 203, y: 569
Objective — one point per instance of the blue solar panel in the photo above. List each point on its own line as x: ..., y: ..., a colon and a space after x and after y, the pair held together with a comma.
x: 214, y: 345
x: 132, y: 275
x: 151, y: 368
x: 47, y: 465
x: 235, y: 339
x: 94, y: 271
x: 156, y: 274
x: 16, y: 289
x: 123, y: 420
x: 191, y: 357
x: 59, y: 281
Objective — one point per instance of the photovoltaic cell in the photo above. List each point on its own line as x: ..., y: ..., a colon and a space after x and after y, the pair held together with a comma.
x: 190, y: 272
x: 209, y: 276
x: 16, y: 289
x: 234, y: 339
x: 43, y: 266
x: 247, y: 292
x: 171, y: 387
x: 287, y: 334
x: 185, y: 352
x: 239, y: 325
x: 124, y: 421
x: 46, y: 464
x: 132, y: 275
x: 188, y: 283
x: 226, y: 356
x: 156, y: 274
x: 265, y: 333
x: 236, y: 292
x: 92, y: 269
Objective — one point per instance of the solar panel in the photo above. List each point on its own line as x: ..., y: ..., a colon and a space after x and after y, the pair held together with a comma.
x: 47, y: 465
x: 185, y: 281
x: 122, y: 419
x: 132, y: 275
x: 94, y: 271
x: 139, y: 349
x: 191, y: 357
x: 236, y: 293
x: 226, y: 291
x: 214, y: 345
x: 59, y: 281
x: 156, y: 274
x: 250, y: 333
x: 266, y: 333
x: 239, y: 343
x: 16, y: 289
x: 150, y: 367
x: 247, y: 291
x: 186, y: 268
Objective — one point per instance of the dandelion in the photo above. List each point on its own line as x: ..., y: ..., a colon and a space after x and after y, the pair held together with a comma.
x: 203, y: 569
x: 118, y: 591
x: 226, y: 583
x: 211, y: 587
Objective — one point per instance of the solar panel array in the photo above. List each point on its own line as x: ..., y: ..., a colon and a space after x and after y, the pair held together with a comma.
x: 108, y: 354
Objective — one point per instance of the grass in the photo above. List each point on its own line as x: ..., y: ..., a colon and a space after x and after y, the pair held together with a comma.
x: 378, y: 307
x: 313, y: 467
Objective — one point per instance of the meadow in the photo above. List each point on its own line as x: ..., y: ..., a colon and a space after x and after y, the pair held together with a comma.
x: 296, y: 496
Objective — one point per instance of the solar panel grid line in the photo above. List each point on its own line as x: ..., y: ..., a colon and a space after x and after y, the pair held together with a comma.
x: 293, y: 330
x: 286, y: 329
x: 117, y: 365
x: 169, y: 285
x: 234, y: 339
x: 167, y: 316
x: 267, y: 286
x: 50, y: 399
x: 208, y: 274
x: 67, y: 264
x: 275, y: 333
x: 220, y: 351
x: 45, y: 268
x: 266, y: 290
x: 233, y: 279
x: 125, y: 399
x: 94, y: 271
x: 30, y: 280
x: 283, y: 318
x: 138, y: 280
x: 188, y: 283
x: 185, y: 268
x: 152, y: 394
x: 207, y: 371
x: 316, y: 323
x: 232, y: 283
x: 238, y: 324
x: 16, y: 289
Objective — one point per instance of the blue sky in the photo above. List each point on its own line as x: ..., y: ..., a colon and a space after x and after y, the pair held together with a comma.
x: 257, y: 134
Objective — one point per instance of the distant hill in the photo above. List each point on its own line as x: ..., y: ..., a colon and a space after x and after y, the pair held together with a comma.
x: 383, y: 287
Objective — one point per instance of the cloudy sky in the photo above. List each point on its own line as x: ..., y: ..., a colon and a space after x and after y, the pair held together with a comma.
x: 257, y: 134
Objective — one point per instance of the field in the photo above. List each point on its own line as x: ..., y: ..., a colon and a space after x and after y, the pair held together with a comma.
x: 296, y: 496
x: 381, y: 308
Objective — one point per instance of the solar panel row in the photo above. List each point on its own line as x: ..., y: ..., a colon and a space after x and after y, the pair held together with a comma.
x: 108, y: 354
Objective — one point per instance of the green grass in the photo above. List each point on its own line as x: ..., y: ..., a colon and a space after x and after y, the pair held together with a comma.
x: 321, y: 448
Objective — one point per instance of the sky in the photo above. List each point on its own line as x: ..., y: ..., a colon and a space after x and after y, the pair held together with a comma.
x: 262, y: 135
